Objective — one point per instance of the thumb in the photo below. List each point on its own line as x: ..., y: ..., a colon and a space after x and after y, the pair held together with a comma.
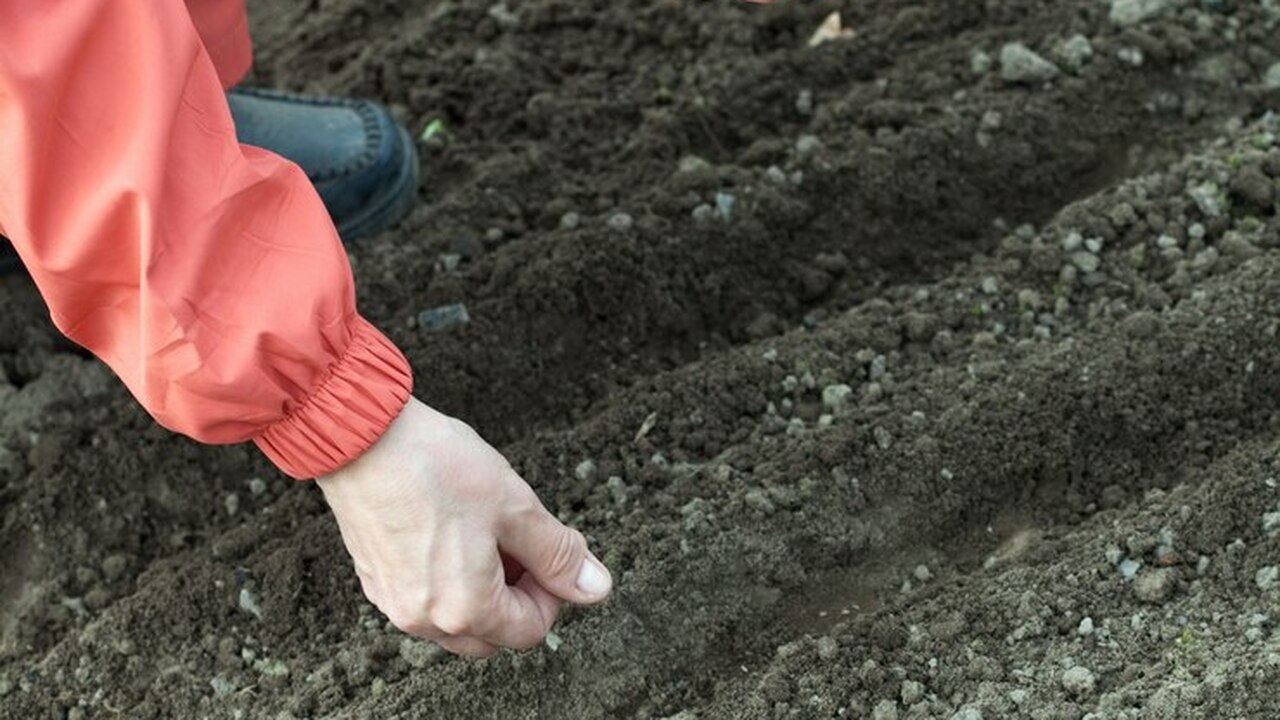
x: 558, y: 558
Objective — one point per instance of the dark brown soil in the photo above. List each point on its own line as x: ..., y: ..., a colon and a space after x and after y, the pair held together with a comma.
x: 1050, y: 493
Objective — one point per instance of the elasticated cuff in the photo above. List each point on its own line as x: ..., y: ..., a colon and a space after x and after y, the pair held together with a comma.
x: 366, y: 389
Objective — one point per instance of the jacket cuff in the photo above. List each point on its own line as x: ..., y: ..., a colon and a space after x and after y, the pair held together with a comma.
x: 365, y: 390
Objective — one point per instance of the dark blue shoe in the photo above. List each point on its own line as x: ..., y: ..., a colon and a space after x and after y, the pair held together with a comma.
x: 364, y: 165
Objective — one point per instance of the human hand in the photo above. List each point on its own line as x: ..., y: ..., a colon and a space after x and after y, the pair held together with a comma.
x: 431, y: 512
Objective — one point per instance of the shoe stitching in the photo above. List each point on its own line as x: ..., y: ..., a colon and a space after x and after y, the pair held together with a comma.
x: 368, y: 118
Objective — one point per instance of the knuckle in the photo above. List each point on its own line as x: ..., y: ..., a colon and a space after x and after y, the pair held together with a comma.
x: 409, y: 622
x: 409, y: 613
x: 456, y: 619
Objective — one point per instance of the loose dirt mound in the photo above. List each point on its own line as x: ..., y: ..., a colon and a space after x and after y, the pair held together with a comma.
x: 916, y: 375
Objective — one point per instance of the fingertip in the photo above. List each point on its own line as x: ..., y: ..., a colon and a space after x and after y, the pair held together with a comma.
x: 594, y: 580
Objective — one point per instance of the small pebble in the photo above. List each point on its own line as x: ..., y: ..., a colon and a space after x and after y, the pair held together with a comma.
x: 980, y: 62
x: 1086, y: 627
x: 621, y: 222
x: 1075, y: 52
x: 827, y: 647
x: 1271, y: 80
x: 1266, y: 578
x: 617, y: 489
x: 885, y: 710
x: 553, y: 641
x: 724, y: 205
x: 1085, y: 261
x: 249, y: 603
x: 912, y: 692
x: 807, y: 145
x: 1155, y: 586
x: 1126, y: 13
x: 443, y: 318
x: 836, y: 397
x: 1078, y: 681
x: 1130, y: 56
x: 1021, y: 64
x: 883, y: 438
x: 1208, y: 197
x: 804, y: 102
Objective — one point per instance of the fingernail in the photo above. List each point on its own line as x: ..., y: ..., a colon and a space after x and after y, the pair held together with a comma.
x: 593, y: 578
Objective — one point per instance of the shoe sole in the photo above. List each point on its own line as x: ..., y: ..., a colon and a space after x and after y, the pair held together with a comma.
x: 394, y: 203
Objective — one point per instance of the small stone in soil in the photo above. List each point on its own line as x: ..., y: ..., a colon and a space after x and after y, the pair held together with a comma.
x: 443, y: 318
x: 1155, y: 586
x: 222, y: 686
x: 827, y: 647
x: 1086, y: 627
x: 836, y: 397
x: 807, y: 145
x: 885, y: 710
x: 1266, y: 578
x: 724, y: 205
x: 980, y: 62
x: 1271, y: 80
x: 1131, y: 12
x: 1078, y: 681
x: 621, y: 222
x: 883, y: 438
x: 249, y: 603
x: 553, y: 641
x: 617, y: 489
x: 1021, y: 64
x: 1271, y: 522
x: 1075, y: 52
x: 1208, y: 197
x: 804, y: 102
x: 912, y: 692
x: 1085, y: 261
x: 257, y: 486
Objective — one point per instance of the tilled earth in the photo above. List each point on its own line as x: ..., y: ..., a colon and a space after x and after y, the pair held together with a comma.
x: 931, y: 372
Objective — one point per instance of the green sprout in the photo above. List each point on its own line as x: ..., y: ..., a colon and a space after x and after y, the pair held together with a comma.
x: 433, y: 128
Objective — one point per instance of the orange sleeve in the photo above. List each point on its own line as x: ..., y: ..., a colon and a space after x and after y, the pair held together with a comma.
x: 205, y: 273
